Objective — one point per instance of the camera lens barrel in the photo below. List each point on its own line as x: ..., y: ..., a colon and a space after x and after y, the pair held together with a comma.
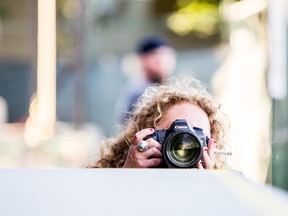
x: 182, y: 149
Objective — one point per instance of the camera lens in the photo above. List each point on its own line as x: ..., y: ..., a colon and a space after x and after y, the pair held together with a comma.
x: 184, y: 150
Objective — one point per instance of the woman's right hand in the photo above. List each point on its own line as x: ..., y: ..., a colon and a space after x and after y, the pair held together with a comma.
x: 149, y: 158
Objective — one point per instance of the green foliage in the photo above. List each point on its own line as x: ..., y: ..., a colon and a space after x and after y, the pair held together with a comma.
x: 4, y: 13
x: 199, y: 16
x: 183, y: 3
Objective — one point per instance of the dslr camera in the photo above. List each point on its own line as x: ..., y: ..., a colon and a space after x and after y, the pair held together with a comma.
x: 182, y: 145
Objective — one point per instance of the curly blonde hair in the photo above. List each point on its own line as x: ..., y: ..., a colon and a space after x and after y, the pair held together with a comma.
x: 151, y: 109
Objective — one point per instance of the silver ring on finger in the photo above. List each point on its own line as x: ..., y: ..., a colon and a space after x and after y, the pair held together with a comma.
x: 142, y: 146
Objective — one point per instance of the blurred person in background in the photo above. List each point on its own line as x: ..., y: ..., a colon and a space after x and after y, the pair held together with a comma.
x: 157, y: 61
x: 184, y: 98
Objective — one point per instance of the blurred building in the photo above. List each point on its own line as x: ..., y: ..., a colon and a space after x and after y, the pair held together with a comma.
x: 96, y: 41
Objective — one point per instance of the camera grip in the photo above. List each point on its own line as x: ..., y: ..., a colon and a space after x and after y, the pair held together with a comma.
x: 153, y: 136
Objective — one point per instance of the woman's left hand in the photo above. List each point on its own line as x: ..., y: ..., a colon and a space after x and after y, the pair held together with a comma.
x: 208, y: 156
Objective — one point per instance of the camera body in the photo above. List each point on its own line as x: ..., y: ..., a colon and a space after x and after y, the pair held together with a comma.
x: 182, y: 145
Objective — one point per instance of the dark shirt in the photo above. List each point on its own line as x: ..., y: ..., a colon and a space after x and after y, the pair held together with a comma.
x: 129, y: 98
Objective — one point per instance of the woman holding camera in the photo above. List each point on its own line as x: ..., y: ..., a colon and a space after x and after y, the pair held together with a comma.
x: 184, y: 99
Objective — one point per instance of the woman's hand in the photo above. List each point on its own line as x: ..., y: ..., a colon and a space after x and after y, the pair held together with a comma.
x: 209, y: 156
x: 149, y: 158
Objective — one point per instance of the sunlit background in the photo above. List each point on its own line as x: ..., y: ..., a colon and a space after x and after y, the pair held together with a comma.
x: 63, y: 64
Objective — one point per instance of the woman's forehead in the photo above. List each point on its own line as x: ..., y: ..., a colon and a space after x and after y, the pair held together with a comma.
x: 192, y: 113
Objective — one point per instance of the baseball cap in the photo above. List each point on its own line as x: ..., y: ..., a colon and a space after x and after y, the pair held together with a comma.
x: 150, y: 43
